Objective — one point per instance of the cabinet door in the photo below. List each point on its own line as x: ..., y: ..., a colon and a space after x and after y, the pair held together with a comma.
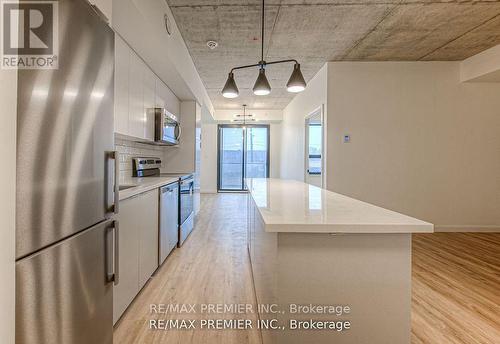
x: 122, y: 65
x: 169, y: 219
x: 136, y: 102
x: 149, y: 102
x: 105, y: 6
x: 159, y: 93
x: 147, y: 211
x: 127, y: 289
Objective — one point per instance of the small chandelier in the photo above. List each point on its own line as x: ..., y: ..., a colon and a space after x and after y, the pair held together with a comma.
x: 295, y: 84
x: 244, y: 120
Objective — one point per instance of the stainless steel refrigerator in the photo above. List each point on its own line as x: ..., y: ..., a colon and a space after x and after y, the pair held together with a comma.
x: 66, y: 234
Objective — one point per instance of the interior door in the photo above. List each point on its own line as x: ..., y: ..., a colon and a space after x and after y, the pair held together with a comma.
x: 243, y: 153
x: 63, y: 293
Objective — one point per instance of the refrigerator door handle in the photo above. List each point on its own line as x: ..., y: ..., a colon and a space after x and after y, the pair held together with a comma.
x: 117, y: 182
x: 113, y: 260
x: 115, y: 186
x: 116, y: 279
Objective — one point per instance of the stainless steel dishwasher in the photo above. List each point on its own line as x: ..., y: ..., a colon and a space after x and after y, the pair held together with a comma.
x: 169, y: 220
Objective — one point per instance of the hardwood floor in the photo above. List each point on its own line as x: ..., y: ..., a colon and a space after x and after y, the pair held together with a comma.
x: 456, y: 288
x: 456, y: 283
x: 211, y: 267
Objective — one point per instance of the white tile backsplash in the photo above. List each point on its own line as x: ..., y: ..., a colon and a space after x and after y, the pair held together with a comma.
x: 130, y: 149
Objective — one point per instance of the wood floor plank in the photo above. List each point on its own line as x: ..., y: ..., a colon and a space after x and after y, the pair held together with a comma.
x: 456, y: 288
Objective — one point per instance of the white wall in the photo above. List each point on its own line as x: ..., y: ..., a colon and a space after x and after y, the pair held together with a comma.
x: 209, y: 158
x: 422, y: 142
x: 8, y: 106
x: 293, y: 125
x: 483, y: 67
x: 275, y: 150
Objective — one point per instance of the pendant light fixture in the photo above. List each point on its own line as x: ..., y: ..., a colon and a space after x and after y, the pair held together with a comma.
x: 295, y: 84
x: 244, y: 116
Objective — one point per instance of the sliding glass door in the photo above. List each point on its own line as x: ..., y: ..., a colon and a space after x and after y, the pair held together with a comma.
x: 243, y: 153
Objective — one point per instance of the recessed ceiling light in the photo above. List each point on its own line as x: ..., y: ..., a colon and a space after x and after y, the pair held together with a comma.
x: 212, y: 44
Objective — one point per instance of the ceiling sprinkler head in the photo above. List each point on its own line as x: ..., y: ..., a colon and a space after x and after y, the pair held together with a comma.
x: 212, y: 44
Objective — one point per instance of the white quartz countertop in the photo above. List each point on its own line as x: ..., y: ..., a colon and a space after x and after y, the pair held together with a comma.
x: 293, y: 206
x: 140, y: 185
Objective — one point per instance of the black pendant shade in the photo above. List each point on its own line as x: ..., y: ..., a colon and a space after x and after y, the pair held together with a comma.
x: 230, y: 89
x: 296, y: 83
x: 262, y: 87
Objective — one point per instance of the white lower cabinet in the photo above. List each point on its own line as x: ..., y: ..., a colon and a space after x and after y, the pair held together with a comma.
x: 138, y: 256
x: 148, y: 235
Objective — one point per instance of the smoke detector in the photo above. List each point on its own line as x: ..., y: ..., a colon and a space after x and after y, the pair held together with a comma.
x: 212, y: 45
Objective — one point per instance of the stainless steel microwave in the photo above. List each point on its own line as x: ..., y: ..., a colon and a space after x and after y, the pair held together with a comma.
x: 167, y: 128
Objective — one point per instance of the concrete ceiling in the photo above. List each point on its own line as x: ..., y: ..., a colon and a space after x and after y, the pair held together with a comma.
x: 317, y: 31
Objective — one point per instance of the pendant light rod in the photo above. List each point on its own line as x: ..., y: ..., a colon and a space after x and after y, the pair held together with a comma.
x: 262, y: 35
x: 263, y: 64
x: 244, y: 114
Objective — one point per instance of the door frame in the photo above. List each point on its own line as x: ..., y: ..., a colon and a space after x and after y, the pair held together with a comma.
x: 319, y: 110
x: 219, y: 148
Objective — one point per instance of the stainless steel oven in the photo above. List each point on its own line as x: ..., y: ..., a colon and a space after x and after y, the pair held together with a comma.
x: 167, y: 128
x: 186, y: 214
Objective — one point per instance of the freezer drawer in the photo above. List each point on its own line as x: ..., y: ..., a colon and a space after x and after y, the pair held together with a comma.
x: 169, y: 219
x: 64, y: 293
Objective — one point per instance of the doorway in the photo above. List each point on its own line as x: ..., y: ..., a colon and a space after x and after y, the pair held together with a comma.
x: 314, y: 149
x: 243, y: 152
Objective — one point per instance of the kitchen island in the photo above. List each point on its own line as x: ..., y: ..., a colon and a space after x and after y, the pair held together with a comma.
x: 310, y: 247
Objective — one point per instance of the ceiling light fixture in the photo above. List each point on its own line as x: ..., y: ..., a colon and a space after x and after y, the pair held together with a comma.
x: 244, y: 120
x: 230, y: 89
x: 295, y: 84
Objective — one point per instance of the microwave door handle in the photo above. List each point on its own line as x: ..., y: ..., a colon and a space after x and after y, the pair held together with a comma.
x: 179, y: 131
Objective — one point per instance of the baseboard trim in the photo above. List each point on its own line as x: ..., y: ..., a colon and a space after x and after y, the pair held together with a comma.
x: 471, y: 228
x: 208, y: 191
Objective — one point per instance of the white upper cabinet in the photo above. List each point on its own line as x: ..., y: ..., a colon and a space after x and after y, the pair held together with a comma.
x: 165, y: 98
x: 138, y: 89
x: 160, y: 100
x: 122, y: 65
x: 149, y: 102
x: 136, y: 113
x: 105, y: 7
